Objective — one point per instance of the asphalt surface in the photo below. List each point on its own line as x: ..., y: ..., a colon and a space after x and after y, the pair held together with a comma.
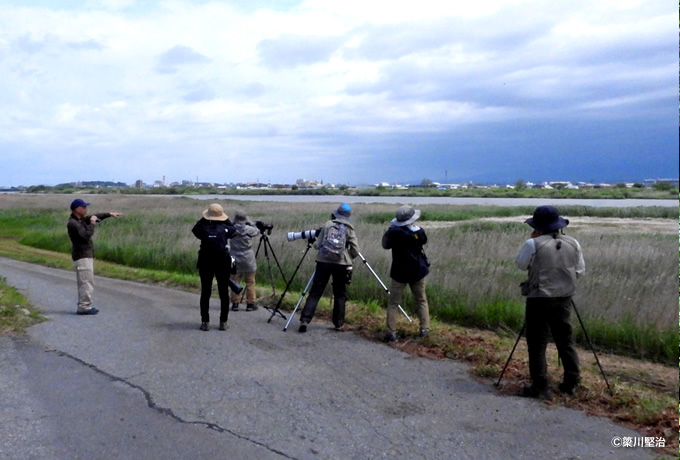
x: 140, y: 381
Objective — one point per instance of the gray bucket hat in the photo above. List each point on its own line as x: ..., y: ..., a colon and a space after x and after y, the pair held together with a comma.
x: 406, y: 215
x: 240, y: 216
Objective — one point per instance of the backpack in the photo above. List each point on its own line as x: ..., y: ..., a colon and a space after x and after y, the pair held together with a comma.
x: 216, y: 241
x: 333, y: 245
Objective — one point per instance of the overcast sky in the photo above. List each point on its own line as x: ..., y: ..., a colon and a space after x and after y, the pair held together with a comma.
x: 341, y: 91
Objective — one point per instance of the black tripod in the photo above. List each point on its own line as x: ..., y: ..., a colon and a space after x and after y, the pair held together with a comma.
x: 585, y: 333
x: 266, y: 244
x: 275, y: 310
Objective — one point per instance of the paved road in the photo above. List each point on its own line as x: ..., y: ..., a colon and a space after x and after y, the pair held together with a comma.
x: 140, y: 381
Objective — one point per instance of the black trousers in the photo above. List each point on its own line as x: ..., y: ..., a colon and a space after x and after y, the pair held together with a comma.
x: 324, y: 271
x: 221, y: 274
x: 550, y: 316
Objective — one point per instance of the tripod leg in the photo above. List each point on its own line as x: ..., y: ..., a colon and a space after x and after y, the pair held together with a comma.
x: 271, y: 249
x: 519, y: 336
x: 275, y: 310
x: 585, y: 333
x: 290, y: 318
x: 269, y: 267
x: 387, y: 291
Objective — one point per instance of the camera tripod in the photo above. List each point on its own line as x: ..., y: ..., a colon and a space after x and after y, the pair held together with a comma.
x: 275, y: 310
x: 266, y: 244
x: 585, y: 333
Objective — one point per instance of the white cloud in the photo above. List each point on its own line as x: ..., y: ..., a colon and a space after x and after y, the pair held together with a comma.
x: 132, y: 74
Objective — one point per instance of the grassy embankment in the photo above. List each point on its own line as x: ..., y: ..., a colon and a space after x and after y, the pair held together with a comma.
x: 627, y: 299
x: 16, y: 313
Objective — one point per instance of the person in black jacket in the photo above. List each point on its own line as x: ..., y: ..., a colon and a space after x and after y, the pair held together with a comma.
x: 409, y: 267
x: 214, y: 260
x: 80, y: 228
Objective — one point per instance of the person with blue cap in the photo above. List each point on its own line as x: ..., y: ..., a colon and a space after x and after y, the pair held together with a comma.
x: 554, y: 261
x: 337, y: 245
x: 80, y: 228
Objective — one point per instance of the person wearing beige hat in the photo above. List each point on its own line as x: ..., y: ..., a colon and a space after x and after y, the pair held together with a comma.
x: 409, y: 267
x: 214, y: 230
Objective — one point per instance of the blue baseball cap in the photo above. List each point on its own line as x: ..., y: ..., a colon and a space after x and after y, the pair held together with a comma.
x: 344, y: 210
x: 78, y: 203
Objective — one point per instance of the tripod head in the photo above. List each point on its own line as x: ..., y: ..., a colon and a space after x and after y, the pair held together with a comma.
x: 264, y: 227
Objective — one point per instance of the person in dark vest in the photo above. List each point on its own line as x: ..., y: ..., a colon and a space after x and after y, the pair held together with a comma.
x: 554, y: 261
x: 338, y: 246
x: 214, y: 261
x: 409, y: 268
x: 80, y: 228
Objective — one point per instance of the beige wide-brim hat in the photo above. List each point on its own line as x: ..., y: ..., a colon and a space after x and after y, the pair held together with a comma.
x: 215, y: 212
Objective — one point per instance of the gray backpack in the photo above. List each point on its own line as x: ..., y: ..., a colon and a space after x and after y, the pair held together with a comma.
x: 333, y: 245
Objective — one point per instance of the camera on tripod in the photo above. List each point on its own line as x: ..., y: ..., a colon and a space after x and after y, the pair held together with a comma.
x: 305, y: 235
x: 264, y: 227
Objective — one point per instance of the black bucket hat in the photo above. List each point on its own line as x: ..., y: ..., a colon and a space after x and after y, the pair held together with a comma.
x: 547, y: 219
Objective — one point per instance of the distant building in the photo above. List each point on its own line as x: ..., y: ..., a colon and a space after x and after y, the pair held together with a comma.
x: 651, y: 182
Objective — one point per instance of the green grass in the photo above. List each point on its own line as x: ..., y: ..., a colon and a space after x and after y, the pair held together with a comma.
x: 13, y: 310
x: 623, y: 299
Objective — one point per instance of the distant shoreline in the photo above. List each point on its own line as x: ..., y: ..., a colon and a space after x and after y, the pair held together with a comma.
x: 412, y: 200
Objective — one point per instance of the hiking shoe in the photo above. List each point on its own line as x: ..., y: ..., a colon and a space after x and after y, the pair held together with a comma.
x: 251, y: 307
x: 424, y: 333
x: 390, y: 337
x: 302, y: 328
x: 204, y: 326
x: 234, y: 307
x: 91, y: 311
x: 567, y: 388
x: 223, y: 326
x: 531, y: 391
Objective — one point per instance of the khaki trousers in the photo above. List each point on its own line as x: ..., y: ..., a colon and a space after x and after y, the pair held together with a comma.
x: 397, y: 295
x: 251, y: 295
x: 85, y: 278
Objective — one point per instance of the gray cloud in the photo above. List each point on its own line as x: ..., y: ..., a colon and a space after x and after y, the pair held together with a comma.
x: 26, y: 44
x: 203, y: 93
x: 86, y: 45
x: 170, y: 61
x: 295, y: 50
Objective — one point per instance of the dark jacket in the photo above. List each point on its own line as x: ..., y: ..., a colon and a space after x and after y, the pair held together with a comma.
x: 214, y: 236
x: 80, y: 232
x: 409, y: 263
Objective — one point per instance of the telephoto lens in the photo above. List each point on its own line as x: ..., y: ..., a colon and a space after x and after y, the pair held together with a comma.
x: 305, y: 235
